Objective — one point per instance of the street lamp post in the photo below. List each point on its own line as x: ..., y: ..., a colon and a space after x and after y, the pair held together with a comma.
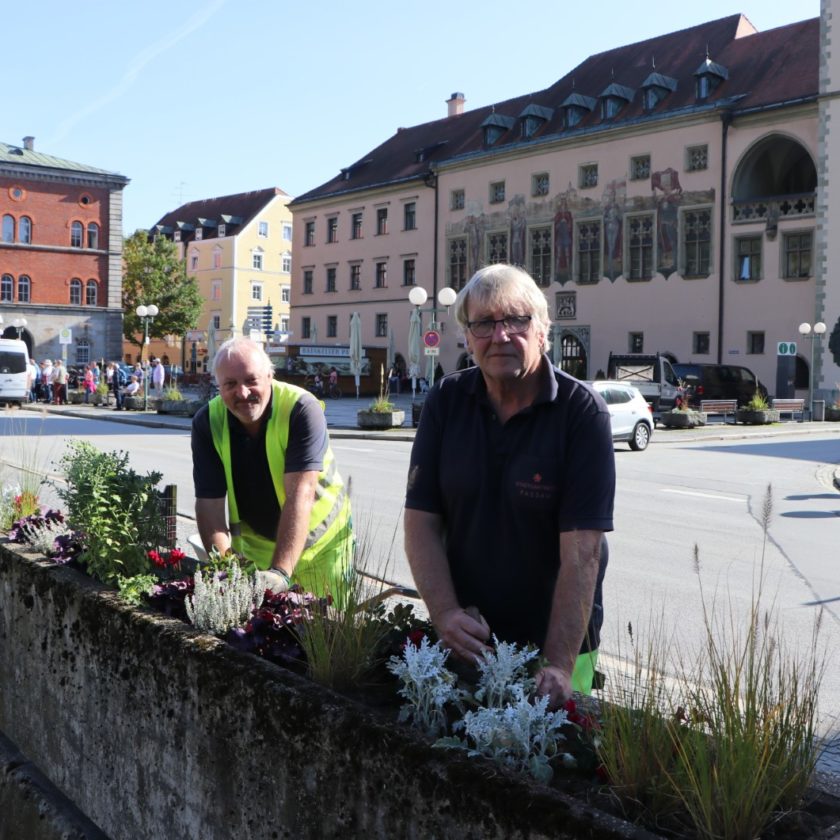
x: 147, y: 314
x: 19, y: 324
x: 813, y: 334
x: 446, y: 297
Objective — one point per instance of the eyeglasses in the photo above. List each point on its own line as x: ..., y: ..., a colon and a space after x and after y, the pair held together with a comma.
x: 511, y: 324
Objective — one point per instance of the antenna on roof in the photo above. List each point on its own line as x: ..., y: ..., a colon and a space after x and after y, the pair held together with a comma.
x: 612, y: 74
x: 707, y: 51
x: 653, y: 62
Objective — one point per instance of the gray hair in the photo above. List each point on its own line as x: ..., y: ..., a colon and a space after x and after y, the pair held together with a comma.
x: 506, y: 287
x: 240, y: 346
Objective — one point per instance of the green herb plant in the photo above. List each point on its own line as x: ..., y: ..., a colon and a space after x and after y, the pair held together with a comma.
x: 382, y: 404
x: 116, y: 511
x: 757, y: 402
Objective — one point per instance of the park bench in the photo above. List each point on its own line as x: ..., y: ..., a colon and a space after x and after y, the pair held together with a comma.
x: 790, y: 406
x: 723, y: 407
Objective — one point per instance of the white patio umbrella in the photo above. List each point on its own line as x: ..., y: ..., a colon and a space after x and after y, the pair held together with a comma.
x: 356, y: 348
x: 391, y: 352
x: 313, y: 335
x: 415, y: 348
x: 211, y: 349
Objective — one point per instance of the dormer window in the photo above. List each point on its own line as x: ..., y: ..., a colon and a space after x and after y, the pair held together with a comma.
x: 656, y: 87
x: 199, y: 233
x: 708, y: 77
x: 613, y: 99
x: 220, y: 230
x: 532, y: 119
x: 575, y: 108
x: 495, y: 126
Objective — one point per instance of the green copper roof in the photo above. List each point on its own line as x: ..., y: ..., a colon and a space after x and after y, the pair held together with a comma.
x: 27, y: 157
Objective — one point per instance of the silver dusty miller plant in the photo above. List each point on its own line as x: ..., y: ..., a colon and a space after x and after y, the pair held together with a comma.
x: 42, y: 537
x: 504, y: 675
x: 427, y: 686
x: 223, y: 600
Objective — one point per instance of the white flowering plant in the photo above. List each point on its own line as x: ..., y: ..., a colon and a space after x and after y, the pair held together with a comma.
x: 223, y: 600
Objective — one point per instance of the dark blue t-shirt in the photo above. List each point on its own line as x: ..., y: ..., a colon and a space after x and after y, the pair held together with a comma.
x: 505, y: 492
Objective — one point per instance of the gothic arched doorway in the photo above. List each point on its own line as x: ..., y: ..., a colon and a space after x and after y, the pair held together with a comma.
x: 573, y: 357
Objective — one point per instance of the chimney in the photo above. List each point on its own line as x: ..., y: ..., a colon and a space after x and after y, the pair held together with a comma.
x: 29, y: 144
x: 455, y: 104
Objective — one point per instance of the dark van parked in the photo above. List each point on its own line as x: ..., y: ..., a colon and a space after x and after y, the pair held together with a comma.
x: 718, y: 382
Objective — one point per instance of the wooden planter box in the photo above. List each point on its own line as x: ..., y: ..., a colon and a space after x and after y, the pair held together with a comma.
x: 380, y: 419
x: 683, y: 419
x: 756, y: 417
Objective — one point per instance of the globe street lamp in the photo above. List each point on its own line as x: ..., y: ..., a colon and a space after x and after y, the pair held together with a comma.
x: 19, y: 324
x: 147, y: 314
x: 418, y: 296
x: 805, y: 330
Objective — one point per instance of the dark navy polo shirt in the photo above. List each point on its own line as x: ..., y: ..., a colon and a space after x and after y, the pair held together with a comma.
x: 256, y: 498
x: 505, y: 492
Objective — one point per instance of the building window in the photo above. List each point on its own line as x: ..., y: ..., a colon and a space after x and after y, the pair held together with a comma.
x: 410, y: 216
x: 331, y: 279
x: 797, y: 255
x: 640, y: 247
x: 93, y: 235
x: 284, y: 324
x: 697, y: 242
x: 25, y: 230
x: 409, y: 273
x: 305, y: 327
x: 636, y: 342
x: 541, y: 255
x: 332, y: 326
x: 217, y: 258
x: 381, y: 325
x: 285, y: 294
x: 262, y: 229
x: 589, y: 252
x: 755, y: 343
x: 497, y: 192
x: 75, y: 292
x: 221, y: 231
x: 256, y: 291
x: 356, y: 226
x: 216, y: 290
x: 24, y: 289
x: 7, y: 289
x: 307, y: 281
x: 193, y: 260
x: 700, y: 343
x: 91, y: 293
x: 381, y: 221
x: 540, y: 184
x: 287, y: 232
x: 457, y: 200
x: 256, y: 260
x: 640, y: 168
x: 697, y: 158
x: 77, y: 232
x: 588, y: 176
x: 8, y: 228
x: 217, y: 321
x: 381, y: 275
x: 286, y: 262
x: 497, y: 248
x: 458, y: 262
x: 748, y: 258
x: 355, y: 277
x: 332, y: 229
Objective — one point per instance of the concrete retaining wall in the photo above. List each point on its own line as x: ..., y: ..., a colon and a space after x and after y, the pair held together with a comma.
x: 154, y: 730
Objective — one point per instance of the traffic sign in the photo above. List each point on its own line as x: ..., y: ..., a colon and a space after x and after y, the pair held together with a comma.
x: 786, y: 348
x: 431, y: 338
x: 65, y: 335
x: 433, y: 351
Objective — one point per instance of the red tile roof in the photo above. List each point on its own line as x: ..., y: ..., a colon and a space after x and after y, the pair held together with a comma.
x: 764, y: 69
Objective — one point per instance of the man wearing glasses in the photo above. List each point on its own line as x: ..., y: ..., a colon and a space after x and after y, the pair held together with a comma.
x: 510, y: 491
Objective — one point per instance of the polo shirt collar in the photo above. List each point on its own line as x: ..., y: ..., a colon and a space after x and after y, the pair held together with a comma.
x: 548, y: 383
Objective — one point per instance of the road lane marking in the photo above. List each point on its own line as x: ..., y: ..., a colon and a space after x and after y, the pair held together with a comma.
x: 704, y: 495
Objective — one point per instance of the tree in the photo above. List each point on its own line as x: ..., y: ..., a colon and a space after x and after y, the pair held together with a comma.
x: 154, y: 273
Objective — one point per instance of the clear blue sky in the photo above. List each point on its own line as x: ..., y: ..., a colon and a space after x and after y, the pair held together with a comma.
x: 200, y: 99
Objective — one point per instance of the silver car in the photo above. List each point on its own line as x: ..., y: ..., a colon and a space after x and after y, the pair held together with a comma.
x: 630, y: 416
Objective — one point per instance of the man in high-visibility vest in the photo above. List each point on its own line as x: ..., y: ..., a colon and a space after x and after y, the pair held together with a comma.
x: 262, y: 447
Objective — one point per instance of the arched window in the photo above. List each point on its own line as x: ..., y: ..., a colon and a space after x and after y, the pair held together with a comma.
x: 24, y: 289
x: 8, y: 232
x: 7, y: 288
x: 77, y: 232
x: 93, y: 235
x: 91, y: 293
x: 76, y: 292
x: 573, y: 357
x: 25, y: 230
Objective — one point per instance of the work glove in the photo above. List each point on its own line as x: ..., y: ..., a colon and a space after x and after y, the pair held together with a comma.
x: 274, y: 580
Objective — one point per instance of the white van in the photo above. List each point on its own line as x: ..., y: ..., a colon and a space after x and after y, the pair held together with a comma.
x: 14, y: 373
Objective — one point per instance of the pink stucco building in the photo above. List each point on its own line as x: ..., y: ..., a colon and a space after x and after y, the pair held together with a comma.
x: 668, y: 195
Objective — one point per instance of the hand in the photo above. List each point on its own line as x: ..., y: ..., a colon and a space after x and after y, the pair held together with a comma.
x: 556, y: 683
x: 464, y: 632
x: 273, y: 580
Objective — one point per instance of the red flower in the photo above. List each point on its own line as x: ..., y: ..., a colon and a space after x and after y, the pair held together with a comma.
x: 415, y: 637
x: 176, y: 556
x: 155, y: 557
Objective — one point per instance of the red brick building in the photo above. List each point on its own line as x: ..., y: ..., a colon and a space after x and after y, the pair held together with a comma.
x: 60, y: 255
